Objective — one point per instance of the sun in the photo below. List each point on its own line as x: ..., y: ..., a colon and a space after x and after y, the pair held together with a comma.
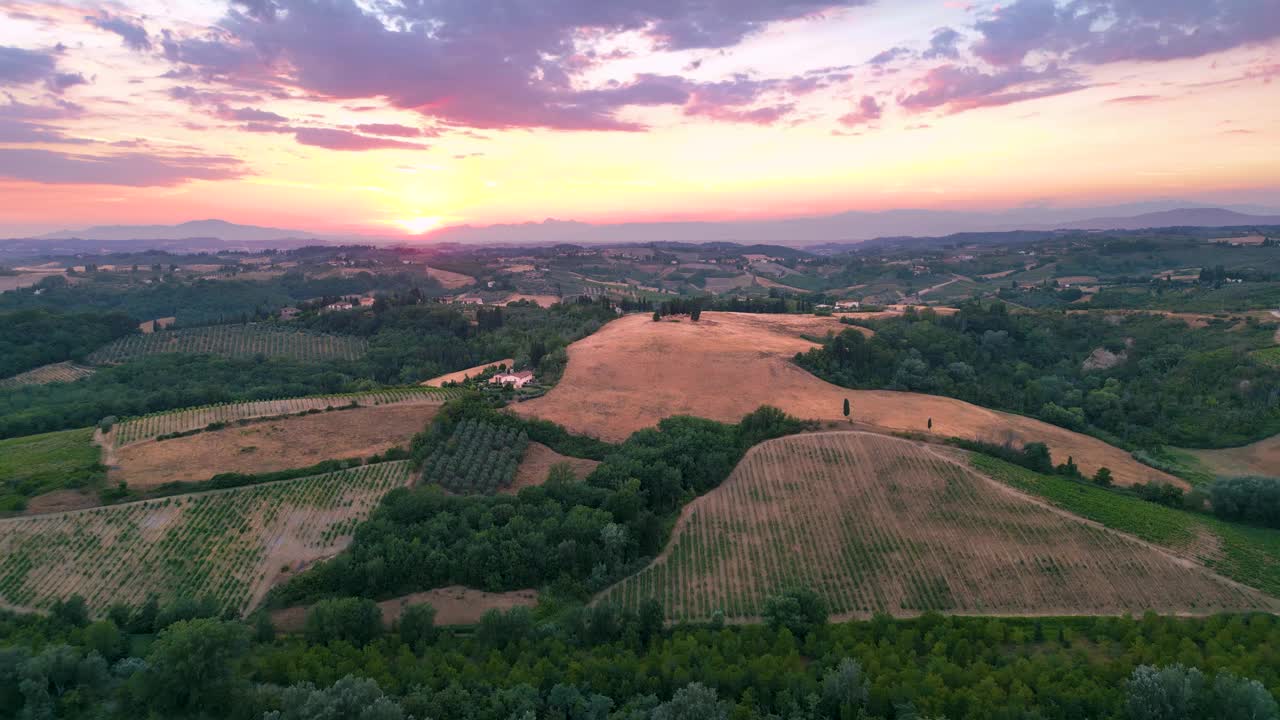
x: 419, y: 225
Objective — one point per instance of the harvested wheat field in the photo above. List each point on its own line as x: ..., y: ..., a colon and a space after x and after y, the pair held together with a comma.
x: 230, y: 545
x: 537, y: 462
x: 449, y: 279
x: 1260, y: 458
x: 454, y: 605
x: 63, y: 372
x: 461, y: 375
x: 634, y: 372
x: 271, y: 445
x: 880, y: 524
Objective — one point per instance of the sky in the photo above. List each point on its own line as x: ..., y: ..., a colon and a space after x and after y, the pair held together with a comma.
x: 395, y: 117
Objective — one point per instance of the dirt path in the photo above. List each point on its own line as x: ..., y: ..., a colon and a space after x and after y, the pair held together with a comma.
x: 461, y: 375
x: 454, y: 605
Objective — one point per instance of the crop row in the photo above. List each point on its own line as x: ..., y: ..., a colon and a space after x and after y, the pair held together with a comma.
x: 182, y: 421
x: 63, y: 372
x: 477, y: 458
x: 228, y: 545
x: 234, y: 341
x: 876, y: 524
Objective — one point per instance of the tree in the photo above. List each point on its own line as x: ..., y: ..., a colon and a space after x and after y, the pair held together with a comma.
x: 1103, y: 477
x: 846, y: 407
x: 106, y: 639
x: 1168, y: 693
x: 844, y: 689
x: 350, y: 698
x: 192, y: 667
x: 354, y: 620
x: 657, y: 316
x: 695, y: 701
x: 800, y: 610
x: 930, y: 423
x: 1236, y: 697
x: 417, y: 625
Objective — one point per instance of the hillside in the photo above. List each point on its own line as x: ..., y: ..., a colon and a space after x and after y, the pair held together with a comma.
x: 881, y: 525
x: 634, y: 372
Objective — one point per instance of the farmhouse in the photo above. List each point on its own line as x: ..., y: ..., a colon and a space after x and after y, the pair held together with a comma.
x: 517, y: 380
x: 289, y: 313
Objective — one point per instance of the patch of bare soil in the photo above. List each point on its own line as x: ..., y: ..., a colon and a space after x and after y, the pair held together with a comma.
x: 461, y: 375
x: 542, y: 300
x: 455, y: 605
x: 450, y: 280
x: 272, y: 445
x: 538, y: 461
x: 60, y: 501
x: 635, y: 372
x: 1260, y: 458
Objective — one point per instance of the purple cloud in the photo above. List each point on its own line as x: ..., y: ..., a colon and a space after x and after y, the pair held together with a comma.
x: 21, y: 67
x: 131, y: 169
x: 392, y: 130
x: 944, y: 45
x: 248, y: 114
x: 332, y: 139
x: 958, y: 89
x: 133, y: 33
x: 1106, y: 31
x: 515, y: 66
x: 868, y: 110
x: 889, y: 56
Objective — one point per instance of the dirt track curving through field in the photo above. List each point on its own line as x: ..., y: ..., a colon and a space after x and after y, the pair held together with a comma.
x: 635, y: 372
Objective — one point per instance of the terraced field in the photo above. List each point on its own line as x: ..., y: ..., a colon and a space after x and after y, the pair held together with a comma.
x: 234, y: 341
x: 230, y: 545
x: 63, y: 372
x: 179, y: 421
x: 879, y: 524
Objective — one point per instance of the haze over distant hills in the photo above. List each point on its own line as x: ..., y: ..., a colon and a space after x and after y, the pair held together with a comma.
x: 842, y: 227
x: 213, y: 229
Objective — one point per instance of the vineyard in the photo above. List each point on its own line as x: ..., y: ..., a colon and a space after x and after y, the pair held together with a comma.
x: 477, y: 458
x: 877, y: 524
x: 234, y: 341
x: 63, y: 372
x: 184, y: 421
x: 229, y: 545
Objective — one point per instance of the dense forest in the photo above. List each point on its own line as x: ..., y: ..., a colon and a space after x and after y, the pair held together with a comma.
x: 578, y: 663
x: 31, y: 338
x: 1137, y: 381
x: 409, y: 342
x: 199, y: 302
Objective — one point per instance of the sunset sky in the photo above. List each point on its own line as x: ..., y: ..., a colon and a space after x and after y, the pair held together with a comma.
x: 399, y: 116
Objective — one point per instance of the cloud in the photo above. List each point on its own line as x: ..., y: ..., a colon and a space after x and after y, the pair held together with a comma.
x: 868, y: 110
x: 958, y: 89
x: 1134, y: 99
x: 132, y: 32
x: 131, y: 169
x: 1106, y: 31
x: 248, y: 114
x: 332, y: 139
x: 471, y: 66
x: 944, y: 45
x: 22, y: 67
x: 393, y: 130
x: 889, y: 56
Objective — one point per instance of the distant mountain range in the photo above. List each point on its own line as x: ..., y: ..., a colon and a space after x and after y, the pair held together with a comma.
x: 849, y: 227
x: 202, y: 229
x: 1183, y: 217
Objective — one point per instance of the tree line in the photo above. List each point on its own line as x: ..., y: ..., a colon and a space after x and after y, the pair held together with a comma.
x: 1134, y: 381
